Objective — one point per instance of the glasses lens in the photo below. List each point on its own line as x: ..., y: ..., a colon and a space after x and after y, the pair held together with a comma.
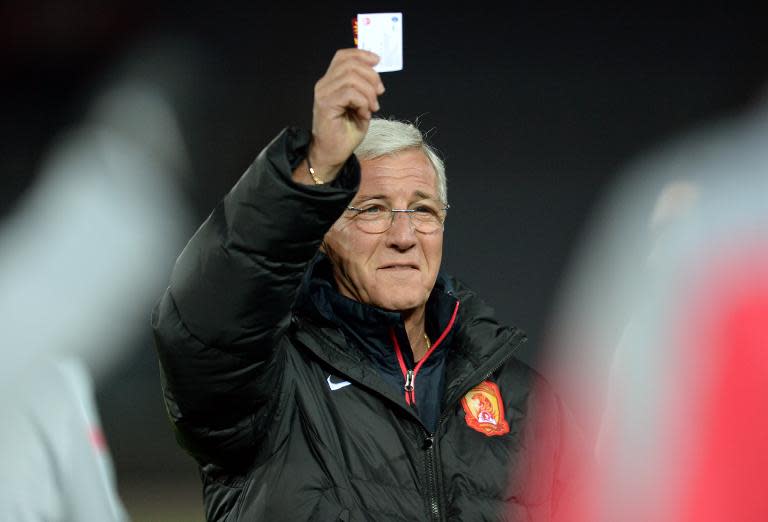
x: 427, y: 218
x: 373, y: 219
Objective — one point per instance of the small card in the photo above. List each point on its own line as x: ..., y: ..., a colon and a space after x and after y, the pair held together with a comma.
x: 382, y: 33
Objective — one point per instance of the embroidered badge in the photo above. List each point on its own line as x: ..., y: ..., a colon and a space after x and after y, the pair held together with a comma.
x: 485, y: 410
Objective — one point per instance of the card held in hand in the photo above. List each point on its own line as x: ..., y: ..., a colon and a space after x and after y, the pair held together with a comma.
x: 382, y: 33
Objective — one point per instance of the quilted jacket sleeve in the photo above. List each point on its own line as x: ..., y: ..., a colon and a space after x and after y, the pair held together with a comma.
x: 218, y: 327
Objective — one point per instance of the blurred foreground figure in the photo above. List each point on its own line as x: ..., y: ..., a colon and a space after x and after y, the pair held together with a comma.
x: 79, y: 258
x: 662, y: 333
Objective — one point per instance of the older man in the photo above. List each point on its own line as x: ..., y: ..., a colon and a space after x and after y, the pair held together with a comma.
x: 317, y: 363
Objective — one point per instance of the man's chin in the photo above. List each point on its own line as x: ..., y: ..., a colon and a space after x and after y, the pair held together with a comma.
x: 402, y: 304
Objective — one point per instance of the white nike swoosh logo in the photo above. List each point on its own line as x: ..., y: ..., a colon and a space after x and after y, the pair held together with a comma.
x: 337, y: 385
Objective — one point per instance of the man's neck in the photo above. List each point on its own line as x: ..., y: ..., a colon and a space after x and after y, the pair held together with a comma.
x: 415, y: 328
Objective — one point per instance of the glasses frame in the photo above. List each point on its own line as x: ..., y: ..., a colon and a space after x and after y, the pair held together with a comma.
x: 392, y: 211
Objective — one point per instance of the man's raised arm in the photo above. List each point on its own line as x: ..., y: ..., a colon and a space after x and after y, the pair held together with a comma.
x: 218, y: 326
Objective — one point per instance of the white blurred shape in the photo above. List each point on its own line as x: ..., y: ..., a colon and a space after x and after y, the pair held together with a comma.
x: 81, y: 260
x: 93, y: 239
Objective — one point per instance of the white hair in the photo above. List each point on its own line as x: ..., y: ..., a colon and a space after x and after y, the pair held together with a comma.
x: 386, y: 137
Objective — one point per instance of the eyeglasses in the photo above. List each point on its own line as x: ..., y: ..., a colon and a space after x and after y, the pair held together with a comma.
x: 426, y: 217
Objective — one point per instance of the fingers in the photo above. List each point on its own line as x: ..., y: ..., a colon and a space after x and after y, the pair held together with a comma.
x: 333, y: 91
x: 364, y: 71
x: 350, y: 69
x: 359, y: 60
x: 345, y: 98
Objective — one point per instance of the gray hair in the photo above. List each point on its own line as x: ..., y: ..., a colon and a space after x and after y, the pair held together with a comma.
x: 390, y: 136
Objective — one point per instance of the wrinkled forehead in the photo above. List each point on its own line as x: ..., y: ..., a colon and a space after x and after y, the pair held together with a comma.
x: 402, y: 174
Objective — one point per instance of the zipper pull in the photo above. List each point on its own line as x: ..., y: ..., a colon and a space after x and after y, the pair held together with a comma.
x: 409, y: 387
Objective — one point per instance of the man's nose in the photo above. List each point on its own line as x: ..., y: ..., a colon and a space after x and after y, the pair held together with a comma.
x: 401, y: 234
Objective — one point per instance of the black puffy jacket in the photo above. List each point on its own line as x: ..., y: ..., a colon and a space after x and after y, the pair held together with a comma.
x: 255, y: 371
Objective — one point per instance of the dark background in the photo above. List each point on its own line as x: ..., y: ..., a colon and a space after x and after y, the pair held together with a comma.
x: 534, y: 109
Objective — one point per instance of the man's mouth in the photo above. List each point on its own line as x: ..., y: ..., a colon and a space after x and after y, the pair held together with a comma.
x: 399, y: 266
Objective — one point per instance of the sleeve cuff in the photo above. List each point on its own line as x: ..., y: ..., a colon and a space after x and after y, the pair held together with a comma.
x: 298, y: 144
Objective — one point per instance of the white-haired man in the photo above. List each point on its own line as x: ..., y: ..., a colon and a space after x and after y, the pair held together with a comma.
x: 318, y: 364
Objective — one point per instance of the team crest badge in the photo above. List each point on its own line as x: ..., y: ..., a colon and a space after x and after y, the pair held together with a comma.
x: 485, y: 410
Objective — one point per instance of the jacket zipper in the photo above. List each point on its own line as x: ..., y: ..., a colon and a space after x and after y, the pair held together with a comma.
x: 409, y: 374
x: 431, y: 461
x: 410, y: 399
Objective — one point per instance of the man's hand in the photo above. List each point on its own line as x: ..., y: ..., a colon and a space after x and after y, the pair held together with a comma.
x: 345, y: 100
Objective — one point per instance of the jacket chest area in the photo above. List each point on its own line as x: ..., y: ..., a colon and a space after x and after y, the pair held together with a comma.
x: 349, y: 446
x: 369, y: 435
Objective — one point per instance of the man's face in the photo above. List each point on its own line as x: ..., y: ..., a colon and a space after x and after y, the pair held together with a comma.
x: 396, y: 269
